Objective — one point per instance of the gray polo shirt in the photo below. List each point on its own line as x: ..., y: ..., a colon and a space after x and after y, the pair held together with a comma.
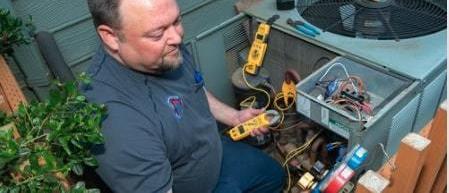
x: 159, y: 132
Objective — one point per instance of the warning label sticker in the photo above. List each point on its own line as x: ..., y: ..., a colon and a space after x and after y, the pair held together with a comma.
x: 339, y: 128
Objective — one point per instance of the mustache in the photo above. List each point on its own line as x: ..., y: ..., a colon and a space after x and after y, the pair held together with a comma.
x: 173, y: 49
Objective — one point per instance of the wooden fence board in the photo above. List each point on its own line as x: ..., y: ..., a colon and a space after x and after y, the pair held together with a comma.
x: 10, y: 87
x: 409, y: 161
x: 435, y: 157
x: 440, y: 184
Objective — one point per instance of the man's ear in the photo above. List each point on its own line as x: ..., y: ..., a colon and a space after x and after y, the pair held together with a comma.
x: 109, y: 37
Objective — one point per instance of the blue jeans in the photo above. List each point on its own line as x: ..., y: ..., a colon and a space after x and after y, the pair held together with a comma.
x: 246, y: 169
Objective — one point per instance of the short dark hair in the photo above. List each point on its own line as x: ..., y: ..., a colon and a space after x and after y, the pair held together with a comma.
x: 105, y: 12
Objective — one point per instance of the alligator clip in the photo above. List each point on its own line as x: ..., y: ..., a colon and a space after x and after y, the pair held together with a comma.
x: 303, y: 27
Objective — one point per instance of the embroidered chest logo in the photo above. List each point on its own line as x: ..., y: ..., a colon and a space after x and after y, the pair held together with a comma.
x: 176, y: 105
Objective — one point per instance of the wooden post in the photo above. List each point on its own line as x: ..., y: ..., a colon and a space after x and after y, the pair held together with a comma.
x: 435, y: 154
x: 9, y: 86
x: 371, y: 182
x: 4, y: 105
x: 409, y: 161
x: 441, y: 181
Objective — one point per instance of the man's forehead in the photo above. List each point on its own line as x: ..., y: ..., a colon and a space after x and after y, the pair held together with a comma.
x: 131, y: 6
x: 133, y: 12
x: 149, y: 10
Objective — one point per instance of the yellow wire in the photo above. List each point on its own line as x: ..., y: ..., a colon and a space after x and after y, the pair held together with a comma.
x: 280, y: 96
x: 289, y: 127
x: 301, y: 149
x: 251, y: 100
x: 290, y: 155
x: 254, y: 88
x: 289, y: 180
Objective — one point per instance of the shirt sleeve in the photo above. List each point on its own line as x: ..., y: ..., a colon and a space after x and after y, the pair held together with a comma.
x: 133, y: 158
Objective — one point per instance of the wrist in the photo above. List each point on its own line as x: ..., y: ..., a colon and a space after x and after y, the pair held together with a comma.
x: 235, y: 119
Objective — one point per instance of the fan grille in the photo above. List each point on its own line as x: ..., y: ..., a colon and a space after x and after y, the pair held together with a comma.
x: 374, y: 19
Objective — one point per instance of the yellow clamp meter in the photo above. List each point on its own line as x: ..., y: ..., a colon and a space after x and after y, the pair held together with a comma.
x: 269, y: 118
x: 291, y: 78
x: 288, y: 91
x: 259, y: 46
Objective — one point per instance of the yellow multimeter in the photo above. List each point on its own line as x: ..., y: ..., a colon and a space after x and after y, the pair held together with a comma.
x: 259, y: 46
x: 269, y: 118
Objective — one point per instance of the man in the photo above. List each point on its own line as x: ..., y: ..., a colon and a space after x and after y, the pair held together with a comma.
x: 160, y: 132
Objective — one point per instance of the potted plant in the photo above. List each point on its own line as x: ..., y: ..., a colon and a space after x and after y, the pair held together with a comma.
x: 44, y: 142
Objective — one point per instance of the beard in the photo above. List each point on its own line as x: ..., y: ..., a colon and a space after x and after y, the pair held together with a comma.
x: 170, y: 63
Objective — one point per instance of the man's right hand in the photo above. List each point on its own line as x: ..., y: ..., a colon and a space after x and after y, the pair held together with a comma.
x: 247, y: 114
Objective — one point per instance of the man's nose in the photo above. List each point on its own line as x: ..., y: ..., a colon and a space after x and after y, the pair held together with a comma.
x: 175, y: 35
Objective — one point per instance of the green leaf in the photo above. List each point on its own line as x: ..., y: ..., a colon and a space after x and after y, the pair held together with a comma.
x: 14, y: 190
x: 94, y: 191
x: 34, y: 164
x: 79, y: 185
x: 63, y: 141
x: 21, y: 110
x: 3, y: 189
x: 77, y: 169
x: 49, y: 160
x: 84, y: 78
x: 90, y: 161
x: 36, y: 121
x: 81, y: 98
x: 55, y: 97
x: 70, y: 89
x: 4, y: 119
x: 75, y: 142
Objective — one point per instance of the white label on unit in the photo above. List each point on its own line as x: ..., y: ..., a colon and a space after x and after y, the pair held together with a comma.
x: 304, y: 106
x: 325, y: 116
x: 347, y: 173
x: 339, y: 128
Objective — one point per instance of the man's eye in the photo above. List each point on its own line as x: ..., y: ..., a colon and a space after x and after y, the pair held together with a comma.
x: 155, y: 36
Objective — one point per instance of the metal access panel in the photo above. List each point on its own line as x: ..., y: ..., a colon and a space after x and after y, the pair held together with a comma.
x: 443, y: 96
x: 212, y: 50
x: 429, y: 100
x: 393, y: 98
x: 403, y: 119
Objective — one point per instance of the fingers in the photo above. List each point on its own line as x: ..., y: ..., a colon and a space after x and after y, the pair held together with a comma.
x: 256, y: 111
x: 246, y: 114
x: 259, y: 131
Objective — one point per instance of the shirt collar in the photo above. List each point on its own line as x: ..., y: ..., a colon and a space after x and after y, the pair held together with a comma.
x: 120, y: 68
